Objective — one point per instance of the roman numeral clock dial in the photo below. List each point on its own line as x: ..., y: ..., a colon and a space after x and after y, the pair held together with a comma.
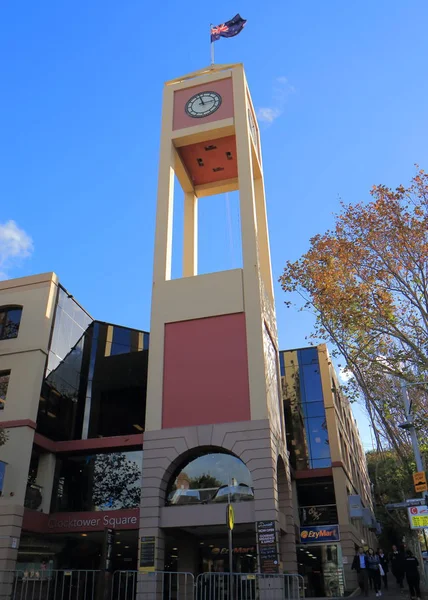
x: 203, y: 104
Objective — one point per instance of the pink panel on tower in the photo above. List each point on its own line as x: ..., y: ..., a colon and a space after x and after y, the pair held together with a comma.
x: 205, y: 372
x: 223, y: 87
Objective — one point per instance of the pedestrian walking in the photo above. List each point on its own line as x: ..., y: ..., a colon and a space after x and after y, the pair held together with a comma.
x: 397, y: 565
x: 360, y: 565
x: 384, y: 563
x: 411, y: 569
x: 373, y: 563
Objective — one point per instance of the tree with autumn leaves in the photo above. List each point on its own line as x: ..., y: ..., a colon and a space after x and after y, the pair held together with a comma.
x: 366, y: 281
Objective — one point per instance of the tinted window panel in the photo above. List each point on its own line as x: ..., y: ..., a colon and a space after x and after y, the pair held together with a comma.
x: 314, y: 409
x: 10, y: 319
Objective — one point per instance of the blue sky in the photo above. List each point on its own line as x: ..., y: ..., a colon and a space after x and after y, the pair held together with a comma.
x: 340, y: 87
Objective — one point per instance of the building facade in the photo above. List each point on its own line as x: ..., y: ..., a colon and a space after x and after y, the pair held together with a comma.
x: 73, y: 406
x: 220, y: 425
x: 329, y: 472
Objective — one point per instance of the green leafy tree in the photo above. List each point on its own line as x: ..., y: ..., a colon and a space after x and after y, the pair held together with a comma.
x: 204, y: 481
x: 393, y: 483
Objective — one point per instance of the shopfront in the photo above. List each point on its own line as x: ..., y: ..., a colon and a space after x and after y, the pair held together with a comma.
x: 76, y: 540
x: 320, y: 561
x: 321, y: 568
x: 40, y: 553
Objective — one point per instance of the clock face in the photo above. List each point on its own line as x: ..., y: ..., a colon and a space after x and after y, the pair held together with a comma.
x: 203, y: 104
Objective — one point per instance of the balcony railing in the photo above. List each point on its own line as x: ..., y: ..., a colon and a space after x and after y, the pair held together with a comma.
x: 321, y: 514
x: 33, y: 496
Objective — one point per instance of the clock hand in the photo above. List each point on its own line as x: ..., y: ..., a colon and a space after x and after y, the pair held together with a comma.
x: 202, y: 102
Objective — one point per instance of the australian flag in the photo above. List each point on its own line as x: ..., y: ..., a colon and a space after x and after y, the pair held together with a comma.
x: 228, y: 29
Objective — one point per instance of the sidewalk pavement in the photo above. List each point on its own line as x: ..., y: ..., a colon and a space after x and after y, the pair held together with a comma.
x: 394, y: 593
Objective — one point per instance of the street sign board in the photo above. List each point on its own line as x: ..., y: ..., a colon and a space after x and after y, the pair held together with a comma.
x: 147, y: 554
x: 420, y: 481
x: 418, y: 517
x: 266, y: 546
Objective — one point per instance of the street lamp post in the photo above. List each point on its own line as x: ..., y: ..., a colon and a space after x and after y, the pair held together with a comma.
x: 409, y: 426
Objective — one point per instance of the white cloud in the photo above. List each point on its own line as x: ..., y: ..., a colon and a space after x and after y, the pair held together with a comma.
x: 15, y: 244
x: 345, y: 375
x: 268, y: 115
x: 280, y: 92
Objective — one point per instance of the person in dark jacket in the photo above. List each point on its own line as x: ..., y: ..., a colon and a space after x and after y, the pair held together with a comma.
x: 360, y: 565
x: 373, y: 563
x: 411, y: 565
x: 385, y: 566
x: 397, y: 565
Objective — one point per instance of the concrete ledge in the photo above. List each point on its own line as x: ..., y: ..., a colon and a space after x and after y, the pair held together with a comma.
x: 200, y: 515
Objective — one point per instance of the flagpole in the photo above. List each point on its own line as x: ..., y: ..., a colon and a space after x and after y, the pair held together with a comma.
x: 212, y: 47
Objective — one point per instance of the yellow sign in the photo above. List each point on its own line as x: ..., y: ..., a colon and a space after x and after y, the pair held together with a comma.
x: 419, y: 522
x: 420, y: 481
x: 418, y: 517
x: 230, y: 517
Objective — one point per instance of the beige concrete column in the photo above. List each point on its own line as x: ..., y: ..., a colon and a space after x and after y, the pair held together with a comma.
x: 287, y: 548
x: 263, y: 234
x: 190, y: 241
x: 250, y: 253
x: 45, y: 479
x: 10, y: 533
x: 164, y: 214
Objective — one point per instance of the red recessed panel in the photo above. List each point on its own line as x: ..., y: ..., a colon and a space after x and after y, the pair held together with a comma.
x: 205, y: 372
x: 214, y: 160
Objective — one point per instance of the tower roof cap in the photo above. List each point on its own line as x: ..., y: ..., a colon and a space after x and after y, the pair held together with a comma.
x: 205, y: 71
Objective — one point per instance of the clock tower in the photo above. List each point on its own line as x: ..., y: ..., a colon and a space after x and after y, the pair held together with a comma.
x: 213, y: 381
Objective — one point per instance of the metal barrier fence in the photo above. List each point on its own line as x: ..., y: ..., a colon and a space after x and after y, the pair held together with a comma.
x: 128, y: 585
x: 161, y: 585
x: 256, y: 586
x: 208, y: 586
x: 48, y: 585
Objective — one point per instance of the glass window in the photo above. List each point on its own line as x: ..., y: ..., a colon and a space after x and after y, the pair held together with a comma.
x: 4, y: 382
x: 121, y: 341
x: 308, y: 356
x: 108, y: 481
x: 322, y: 463
x: 211, y: 478
x: 71, y: 322
x: 282, y: 364
x: 318, y: 438
x: 316, y: 491
x: 10, y: 319
x: 93, y: 394
x: 311, y: 383
x: 314, y: 409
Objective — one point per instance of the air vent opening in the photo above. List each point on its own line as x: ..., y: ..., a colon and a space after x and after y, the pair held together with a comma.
x: 229, y: 155
x: 200, y: 162
x: 217, y: 169
x: 210, y: 147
